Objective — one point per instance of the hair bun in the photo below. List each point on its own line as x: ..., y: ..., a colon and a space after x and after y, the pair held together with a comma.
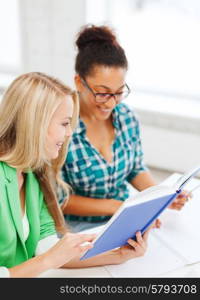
x: 95, y: 34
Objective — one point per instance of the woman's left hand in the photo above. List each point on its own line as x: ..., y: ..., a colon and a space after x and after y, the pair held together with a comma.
x: 180, y: 200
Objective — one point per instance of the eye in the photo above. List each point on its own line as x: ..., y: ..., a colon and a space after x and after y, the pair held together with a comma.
x: 103, y: 95
x: 65, y: 124
x: 120, y: 94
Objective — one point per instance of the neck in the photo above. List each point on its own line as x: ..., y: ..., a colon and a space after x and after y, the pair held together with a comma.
x: 19, y: 172
x: 20, y: 177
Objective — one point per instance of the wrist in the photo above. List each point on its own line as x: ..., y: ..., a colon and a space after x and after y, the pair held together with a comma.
x: 30, y: 268
x: 112, y: 257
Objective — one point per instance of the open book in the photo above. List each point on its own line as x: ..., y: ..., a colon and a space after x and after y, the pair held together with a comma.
x: 138, y: 214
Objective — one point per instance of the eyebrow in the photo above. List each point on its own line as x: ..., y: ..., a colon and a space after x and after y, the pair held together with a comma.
x: 107, y: 88
x: 70, y: 118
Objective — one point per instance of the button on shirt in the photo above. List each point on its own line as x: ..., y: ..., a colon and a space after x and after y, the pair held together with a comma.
x: 88, y: 172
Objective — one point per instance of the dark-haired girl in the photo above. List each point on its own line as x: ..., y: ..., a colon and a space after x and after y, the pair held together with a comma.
x: 105, y: 153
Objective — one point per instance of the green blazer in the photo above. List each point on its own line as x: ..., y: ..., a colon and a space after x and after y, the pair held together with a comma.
x: 13, y: 249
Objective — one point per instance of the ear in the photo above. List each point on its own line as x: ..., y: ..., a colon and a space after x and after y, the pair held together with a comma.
x: 78, y: 83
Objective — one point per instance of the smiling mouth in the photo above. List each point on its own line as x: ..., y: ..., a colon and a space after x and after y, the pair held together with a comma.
x: 104, y: 110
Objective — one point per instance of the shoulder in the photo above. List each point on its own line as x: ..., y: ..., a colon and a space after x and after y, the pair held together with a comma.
x: 31, y: 176
x: 33, y: 184
x: 125, y: 115
x: 3, y: 165
x: 7, y: 173
x: 1, y: 168
x: 77, y: 146
x: 126, y: 122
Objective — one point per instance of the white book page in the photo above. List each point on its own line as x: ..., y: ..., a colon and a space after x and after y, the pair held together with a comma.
x: 157, y: 260
x: 180, y: 230
x: 149, y: 194
x: 92, y: 230
x: 186, y: 177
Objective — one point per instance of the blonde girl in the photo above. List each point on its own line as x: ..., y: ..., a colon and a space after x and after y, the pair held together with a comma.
x: 37, y: 116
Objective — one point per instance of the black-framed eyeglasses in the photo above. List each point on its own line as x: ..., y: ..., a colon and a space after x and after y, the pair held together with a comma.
x: 104, y: 97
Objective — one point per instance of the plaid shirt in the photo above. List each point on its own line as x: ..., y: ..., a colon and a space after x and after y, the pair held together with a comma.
x: 90, y: 175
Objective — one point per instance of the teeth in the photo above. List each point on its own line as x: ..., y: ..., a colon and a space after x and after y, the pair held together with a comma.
x: 105, y: 110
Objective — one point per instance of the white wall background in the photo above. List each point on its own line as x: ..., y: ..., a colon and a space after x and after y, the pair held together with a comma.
x: 47, y: 32
x: 170, y: 149
x: 48, y: 29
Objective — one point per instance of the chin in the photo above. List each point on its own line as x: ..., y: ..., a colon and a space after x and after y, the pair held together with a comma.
x: 101, y: 117
x: 54, y: 156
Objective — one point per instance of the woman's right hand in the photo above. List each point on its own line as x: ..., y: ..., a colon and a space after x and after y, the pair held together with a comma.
x: 67, y: 248
x: 134, y: 248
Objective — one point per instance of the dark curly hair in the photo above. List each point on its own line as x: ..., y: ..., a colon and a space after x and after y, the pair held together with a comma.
x: 97, y: 45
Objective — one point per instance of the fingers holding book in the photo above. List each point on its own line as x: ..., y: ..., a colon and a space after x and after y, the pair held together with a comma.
x: 157, y: 223
x: 135, y: 248
x: 181, y: 200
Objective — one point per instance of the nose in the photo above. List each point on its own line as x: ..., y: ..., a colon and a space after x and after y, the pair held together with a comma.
x: 111, y: 103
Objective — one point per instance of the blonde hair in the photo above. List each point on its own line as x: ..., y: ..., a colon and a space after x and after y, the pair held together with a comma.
x: 25, y: 114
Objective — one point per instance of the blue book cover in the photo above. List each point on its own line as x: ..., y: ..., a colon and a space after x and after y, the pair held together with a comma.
x: 132, y: 218
x: 137, y: 215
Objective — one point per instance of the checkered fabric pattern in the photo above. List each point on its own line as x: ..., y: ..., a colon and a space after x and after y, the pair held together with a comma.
x: 90, y: 175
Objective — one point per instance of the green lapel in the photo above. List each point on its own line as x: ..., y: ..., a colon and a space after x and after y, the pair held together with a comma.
x: 13, y: 198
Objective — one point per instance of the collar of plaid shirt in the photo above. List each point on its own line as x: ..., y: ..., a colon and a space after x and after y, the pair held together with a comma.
x: 81, y: 129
